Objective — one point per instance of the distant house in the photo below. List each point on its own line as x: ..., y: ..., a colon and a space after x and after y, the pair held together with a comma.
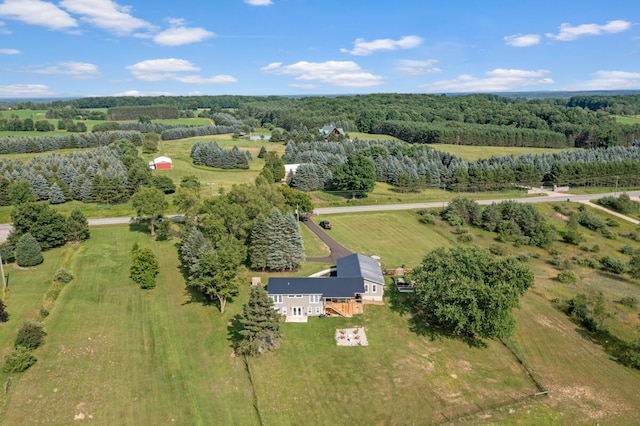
x: 358, y: 281
x: 161, y: 163
x: 329, y: 130
x: 290, y: 169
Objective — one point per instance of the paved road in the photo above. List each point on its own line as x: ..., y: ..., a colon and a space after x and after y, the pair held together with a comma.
x: 552, y: 197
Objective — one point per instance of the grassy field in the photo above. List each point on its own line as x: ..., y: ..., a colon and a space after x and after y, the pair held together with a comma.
x: 473, y: 153
x: 633, y: 119
x: 127, y: 356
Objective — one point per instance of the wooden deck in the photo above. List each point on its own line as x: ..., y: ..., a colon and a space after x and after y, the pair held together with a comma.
x: 345, y: 309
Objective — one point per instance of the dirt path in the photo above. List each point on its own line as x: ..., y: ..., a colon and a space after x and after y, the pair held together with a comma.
x: 337, y: 251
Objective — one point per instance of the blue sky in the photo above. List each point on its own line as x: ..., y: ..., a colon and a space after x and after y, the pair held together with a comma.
x: 77, y: 48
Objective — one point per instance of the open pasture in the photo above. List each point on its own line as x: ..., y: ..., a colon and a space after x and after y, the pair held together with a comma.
x: 473, y: 153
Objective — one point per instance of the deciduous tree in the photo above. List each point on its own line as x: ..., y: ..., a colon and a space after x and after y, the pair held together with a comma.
x: 149, y: 204
x: 467, y: 291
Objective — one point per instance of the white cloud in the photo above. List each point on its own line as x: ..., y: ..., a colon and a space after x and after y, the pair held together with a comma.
x: 567, y: 32
x: 522, y: 40
x: 25, y: 91
x: 361, y: 47
x: 303, y: 86
x: 138, y: 93
x: 179, y: 34
x: 9, y: 51
x: 107, y: 15
x: 3, y: 30
x: 259, y: 2
x: 77, y: 70
x: 498, y: 80
x: 169, y: 69
x: 335, y: 73
x: 611, y: 80
x: 413, y: 67
x: 37, y: 12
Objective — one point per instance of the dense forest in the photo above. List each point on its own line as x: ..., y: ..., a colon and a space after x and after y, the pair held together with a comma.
x: 581, y: 121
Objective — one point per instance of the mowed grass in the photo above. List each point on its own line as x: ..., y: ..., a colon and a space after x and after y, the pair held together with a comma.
x: 396, y: 236
x: 473, y: 153
x: 122, y: 355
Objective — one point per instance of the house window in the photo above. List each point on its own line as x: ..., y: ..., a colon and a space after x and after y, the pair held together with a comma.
x: 309, y: 310
x: 294, y: 296
x: 366, y: 288
x: 284, y: 310
x: 318, y: 310
x: 314, y: 298
x: 373, y: 288
x: 277, y: 298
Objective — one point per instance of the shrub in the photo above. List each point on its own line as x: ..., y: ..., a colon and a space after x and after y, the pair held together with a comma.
x: 498, y: 249
x: 18, y: 361
x: 163, y: 231
x: 607, y: 233
x: 63, y: 276
x: 589, y: 262
x: 629, y: 301
x: 523, y: 257
x: 465, y: 238
x: 612, y: 222
x: 28, y: 251
x: 4, y: 315
x: 567, y: 277
x: 613, y: 264
x: 426, y: 219
x: 30, y: 335
x: 628, y: 250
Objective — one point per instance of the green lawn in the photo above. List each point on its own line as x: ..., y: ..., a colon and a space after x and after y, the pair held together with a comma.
x: 126, y: 356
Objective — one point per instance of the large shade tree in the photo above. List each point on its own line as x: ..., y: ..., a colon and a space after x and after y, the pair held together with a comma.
x: 469, y: 292
x: 149, y: 204
x: 358, y: 174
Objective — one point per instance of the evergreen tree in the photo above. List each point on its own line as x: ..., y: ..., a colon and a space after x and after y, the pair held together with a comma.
x: 275, y: 164
x: 55, y: 194
x: 5, y: 199
x: 260, y: 324
x: 259, y: 247
x: 77, y: 226
x: 20, y: 192
x: 262, y: 152
x: 276, y: 260
x: 294, y: 255
x: 28, y: 251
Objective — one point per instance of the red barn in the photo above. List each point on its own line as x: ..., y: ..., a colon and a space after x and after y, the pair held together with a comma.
x: 162, y: 163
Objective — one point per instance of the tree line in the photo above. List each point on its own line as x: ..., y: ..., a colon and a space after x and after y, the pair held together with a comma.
x: 418, y: 166
x: 28, y: 144
x: 153, y: 112
x: 213, y: 155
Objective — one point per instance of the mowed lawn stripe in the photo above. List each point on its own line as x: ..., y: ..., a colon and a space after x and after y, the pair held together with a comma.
x: 128, y: 356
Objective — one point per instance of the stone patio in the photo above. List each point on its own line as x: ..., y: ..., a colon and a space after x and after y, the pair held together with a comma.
x: 351, y: 337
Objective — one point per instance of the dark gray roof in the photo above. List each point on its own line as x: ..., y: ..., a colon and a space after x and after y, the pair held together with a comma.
x: 327, y: 287
x: 359, y: 265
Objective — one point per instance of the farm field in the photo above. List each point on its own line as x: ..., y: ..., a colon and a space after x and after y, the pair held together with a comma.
x: 473, y: 153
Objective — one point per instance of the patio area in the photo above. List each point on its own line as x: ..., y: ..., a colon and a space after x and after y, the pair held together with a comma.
x: 351, y: 337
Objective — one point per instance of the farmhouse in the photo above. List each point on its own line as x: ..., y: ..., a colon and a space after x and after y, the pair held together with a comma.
x: 290, y: 169
x: 329, y: 130
x: 160, y: 163
x: 358, y: 281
